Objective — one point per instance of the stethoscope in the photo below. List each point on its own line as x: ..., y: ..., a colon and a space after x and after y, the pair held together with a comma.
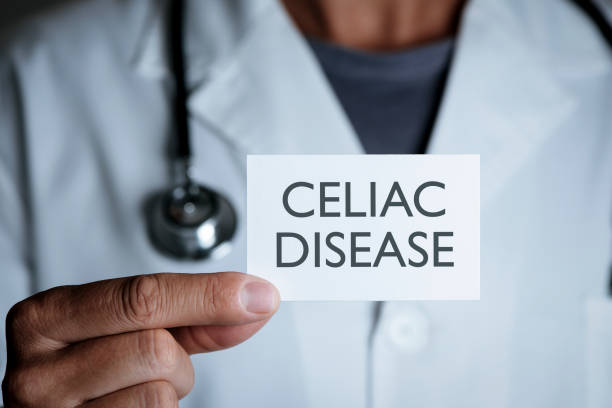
x: 190, y: 221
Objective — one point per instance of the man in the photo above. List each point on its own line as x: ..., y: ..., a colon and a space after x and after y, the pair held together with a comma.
x: 84, y: 124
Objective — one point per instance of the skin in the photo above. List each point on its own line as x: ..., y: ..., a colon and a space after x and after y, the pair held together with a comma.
x: 126, y: 342
x: 376, y: 25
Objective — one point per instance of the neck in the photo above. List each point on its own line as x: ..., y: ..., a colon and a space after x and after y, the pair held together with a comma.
x: 376, y: 25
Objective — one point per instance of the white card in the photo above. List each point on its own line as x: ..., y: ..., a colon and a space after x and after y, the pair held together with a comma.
x: 365, y: 227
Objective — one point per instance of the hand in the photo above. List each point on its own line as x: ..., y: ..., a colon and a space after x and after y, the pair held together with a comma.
x: 126, y: 342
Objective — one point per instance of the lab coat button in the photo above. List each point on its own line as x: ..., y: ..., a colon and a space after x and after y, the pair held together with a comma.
x: 409, y: 330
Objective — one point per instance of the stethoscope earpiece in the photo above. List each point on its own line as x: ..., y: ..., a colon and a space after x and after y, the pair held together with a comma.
x: 192, y: 222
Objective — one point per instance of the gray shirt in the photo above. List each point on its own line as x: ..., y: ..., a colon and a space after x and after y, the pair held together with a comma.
x: 391, y: 99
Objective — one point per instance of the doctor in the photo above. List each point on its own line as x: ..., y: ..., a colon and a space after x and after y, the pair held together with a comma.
x: 84, y: 128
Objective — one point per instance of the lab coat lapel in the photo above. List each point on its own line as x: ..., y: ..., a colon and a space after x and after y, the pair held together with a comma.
x: 501, y: 100
x: 270, y: 96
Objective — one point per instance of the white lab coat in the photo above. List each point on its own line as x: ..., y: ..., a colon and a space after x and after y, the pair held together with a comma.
x: 84, y: 128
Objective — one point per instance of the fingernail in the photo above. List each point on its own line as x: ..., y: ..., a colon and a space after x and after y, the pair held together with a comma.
x: 258, y: 297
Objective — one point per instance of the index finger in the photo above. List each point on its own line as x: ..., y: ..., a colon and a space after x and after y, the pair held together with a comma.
x: 73, y: 313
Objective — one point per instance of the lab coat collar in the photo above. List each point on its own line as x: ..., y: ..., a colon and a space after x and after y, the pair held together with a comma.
x: 258, y: 97
x: 503, y: 98
x: 270, y: 100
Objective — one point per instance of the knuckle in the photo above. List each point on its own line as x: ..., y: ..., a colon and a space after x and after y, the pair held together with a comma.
x: 22, y: 316
x: 30, y: 320
x: 159, y: 395
x: 141, y: 298
x: 159, y: 350
x: 19, y: 388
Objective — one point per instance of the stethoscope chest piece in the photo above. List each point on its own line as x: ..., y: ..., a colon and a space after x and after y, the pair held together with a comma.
x: 192, y: 222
